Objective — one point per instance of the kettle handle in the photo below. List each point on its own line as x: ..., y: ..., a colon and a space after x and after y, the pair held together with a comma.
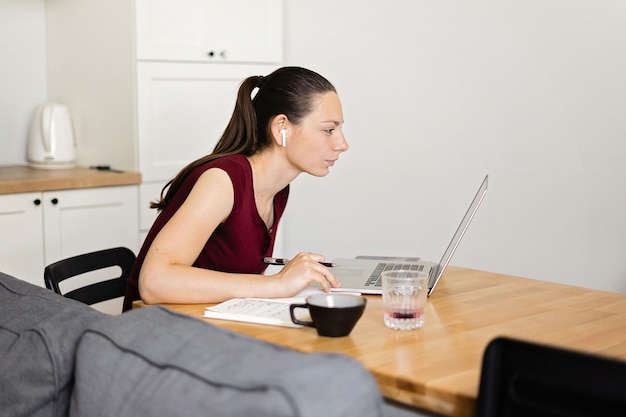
x: 47, y: 127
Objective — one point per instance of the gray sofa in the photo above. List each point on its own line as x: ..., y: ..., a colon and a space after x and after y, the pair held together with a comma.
x: 59, y: 357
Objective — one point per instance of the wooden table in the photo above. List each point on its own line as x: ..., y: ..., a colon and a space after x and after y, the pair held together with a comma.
x: 437, y: 368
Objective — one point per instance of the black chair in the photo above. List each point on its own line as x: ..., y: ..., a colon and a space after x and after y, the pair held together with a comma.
x: 526, y: 379
x: 109, y: 287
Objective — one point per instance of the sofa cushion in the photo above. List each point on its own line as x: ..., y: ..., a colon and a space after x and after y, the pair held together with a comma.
x: 39, y: 331
x: 155, y: 362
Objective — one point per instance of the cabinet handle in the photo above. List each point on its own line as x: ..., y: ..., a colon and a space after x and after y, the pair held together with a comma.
x: 55, y: 201
x: 37, y: 202
x: 211, y: 54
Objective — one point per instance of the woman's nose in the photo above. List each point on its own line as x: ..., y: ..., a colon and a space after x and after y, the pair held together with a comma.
x: 342, y: 144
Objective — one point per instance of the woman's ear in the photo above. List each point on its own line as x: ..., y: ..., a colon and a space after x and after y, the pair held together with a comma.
x: 279, y: 129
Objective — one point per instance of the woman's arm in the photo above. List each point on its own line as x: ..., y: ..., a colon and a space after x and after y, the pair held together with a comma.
x: 167, y: 274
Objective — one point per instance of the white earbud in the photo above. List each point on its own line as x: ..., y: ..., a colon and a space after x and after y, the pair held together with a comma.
x: 283, y: 134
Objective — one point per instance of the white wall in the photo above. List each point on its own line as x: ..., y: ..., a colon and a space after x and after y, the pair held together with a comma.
x: 437, y: 94
x: 22, y: 73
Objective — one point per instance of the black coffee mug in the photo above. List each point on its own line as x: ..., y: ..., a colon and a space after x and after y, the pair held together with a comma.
x: 333, y: 315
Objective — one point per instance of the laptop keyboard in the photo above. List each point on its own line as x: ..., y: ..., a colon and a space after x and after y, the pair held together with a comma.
x: 374, y: 279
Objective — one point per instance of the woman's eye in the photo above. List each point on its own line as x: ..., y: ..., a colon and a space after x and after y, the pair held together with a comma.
x: 329, y: 131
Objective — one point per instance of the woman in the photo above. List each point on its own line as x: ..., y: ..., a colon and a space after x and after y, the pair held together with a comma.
x: 218, y: 216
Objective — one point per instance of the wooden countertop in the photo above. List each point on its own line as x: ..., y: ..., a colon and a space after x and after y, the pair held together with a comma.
x: 22, y: 179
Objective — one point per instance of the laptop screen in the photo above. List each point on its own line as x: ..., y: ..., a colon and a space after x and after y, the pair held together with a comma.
x: 460, y: 231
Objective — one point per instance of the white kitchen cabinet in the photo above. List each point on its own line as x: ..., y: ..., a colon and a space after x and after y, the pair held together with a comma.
x: 78, y: 221
x: 43, y: 227
x: 148, y: 191
x: 243, y: 31
x: 21, y: 240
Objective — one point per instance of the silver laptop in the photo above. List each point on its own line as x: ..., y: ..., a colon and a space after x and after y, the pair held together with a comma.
x: 362, y: 274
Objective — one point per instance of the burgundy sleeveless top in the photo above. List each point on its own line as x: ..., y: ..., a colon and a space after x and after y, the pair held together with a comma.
x: 239, y: 243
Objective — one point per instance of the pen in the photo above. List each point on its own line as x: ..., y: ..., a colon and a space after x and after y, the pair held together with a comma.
x: 284, y: 261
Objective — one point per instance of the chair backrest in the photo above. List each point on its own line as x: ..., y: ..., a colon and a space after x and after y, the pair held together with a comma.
x: 525, y: 379
x: 105, y: 289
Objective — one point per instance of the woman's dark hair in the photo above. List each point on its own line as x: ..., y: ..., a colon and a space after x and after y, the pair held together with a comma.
x: 291, y: 91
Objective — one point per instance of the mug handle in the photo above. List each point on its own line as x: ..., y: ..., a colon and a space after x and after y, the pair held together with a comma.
x: 293, y: 317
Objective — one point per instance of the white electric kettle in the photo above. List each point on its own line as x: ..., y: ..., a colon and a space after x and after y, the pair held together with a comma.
x: 51, y: 141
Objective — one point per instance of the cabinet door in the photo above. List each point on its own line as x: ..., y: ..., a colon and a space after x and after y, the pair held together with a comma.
x: 85, y: 220
x: 182, y: 111
x: 148, y: 191
x: 21, y: 241
x: 210, y: 30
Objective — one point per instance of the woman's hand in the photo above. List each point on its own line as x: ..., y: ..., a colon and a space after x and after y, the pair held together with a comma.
x: 304, y: 269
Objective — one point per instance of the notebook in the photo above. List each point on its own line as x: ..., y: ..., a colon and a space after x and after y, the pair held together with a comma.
x: 362, y: 274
